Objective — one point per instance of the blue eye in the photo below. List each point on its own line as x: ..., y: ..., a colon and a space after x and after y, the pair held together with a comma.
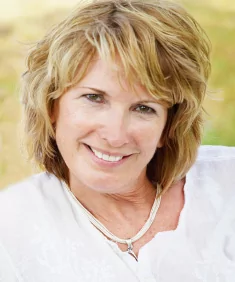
x: 145, y: 109
x: 96, y: 98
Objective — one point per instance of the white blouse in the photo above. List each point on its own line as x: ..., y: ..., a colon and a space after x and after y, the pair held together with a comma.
x: 46, y: 237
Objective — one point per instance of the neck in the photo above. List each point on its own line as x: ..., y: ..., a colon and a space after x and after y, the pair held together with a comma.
x: 132, y: 205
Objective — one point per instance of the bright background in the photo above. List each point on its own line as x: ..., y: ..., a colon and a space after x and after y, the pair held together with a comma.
x: 25, y: 21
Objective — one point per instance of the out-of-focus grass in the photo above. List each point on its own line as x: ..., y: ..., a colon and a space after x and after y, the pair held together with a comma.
x: 216, y: 17
x: 219, y: 23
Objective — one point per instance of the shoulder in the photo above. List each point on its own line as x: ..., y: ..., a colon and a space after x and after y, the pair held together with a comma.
x: 23, y: 202
x: 214, y: 182
x: 214, y: 172
x: 216, y: 153
x: 28, y: 189
x: 217, y: 160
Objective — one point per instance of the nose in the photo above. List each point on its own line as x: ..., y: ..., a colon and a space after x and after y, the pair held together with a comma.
x: 114, y: 129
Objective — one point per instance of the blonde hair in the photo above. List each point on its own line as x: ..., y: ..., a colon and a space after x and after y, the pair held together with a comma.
x: 159, y: 45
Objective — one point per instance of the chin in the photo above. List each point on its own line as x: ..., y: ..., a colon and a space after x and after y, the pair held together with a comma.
x: 106, y: 187
x: 109, y: 182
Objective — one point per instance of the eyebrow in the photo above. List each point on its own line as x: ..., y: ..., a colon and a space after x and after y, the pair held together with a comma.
x: 104, y: 93
x: 94, y: 89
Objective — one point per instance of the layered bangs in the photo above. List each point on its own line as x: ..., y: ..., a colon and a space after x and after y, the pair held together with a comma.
x: 152, y: 47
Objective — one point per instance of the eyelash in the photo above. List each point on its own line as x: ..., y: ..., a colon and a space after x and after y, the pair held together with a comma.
x: 88, y: 97
x: 91, y: 96
x: 149, y: 110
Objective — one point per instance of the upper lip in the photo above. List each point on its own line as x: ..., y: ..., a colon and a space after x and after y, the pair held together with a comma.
x: 115, y: 154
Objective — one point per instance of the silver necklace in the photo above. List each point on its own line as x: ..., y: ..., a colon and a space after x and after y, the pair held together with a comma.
x: 129, y: 242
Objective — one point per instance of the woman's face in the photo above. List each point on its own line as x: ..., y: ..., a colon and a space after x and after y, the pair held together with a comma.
x: 107, y: 133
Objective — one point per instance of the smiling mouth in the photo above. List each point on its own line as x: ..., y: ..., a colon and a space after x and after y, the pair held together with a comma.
x: 106, y: 157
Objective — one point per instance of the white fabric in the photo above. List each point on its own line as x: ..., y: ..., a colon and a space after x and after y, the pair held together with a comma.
x: 45, y: 236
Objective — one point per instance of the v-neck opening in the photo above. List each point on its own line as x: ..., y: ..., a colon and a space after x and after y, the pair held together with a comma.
x: 179, y: 227
x: 180, y: 224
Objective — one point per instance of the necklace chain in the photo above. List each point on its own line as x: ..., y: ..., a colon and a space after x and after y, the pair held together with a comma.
x: 116, y: 239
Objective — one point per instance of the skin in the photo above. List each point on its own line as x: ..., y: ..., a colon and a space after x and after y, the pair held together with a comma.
x: 113, y: 118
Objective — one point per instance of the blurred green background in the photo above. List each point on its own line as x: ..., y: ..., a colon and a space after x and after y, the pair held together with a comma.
x: 25, y: 21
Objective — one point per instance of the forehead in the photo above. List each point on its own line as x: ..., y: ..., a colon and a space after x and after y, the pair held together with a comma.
x: 111, y: 77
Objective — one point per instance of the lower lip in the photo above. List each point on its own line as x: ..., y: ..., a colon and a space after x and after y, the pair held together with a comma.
x: 103, y: 162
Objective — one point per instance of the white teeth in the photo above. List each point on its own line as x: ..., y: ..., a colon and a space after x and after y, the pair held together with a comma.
x: 106, y: 157
x: 98, y: 154
x: 118, y: 158
x: 112, y: 159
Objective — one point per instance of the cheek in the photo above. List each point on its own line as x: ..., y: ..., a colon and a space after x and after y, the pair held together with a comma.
x: 72, y: 119
x: 70, y: 127
x: 149, y: 137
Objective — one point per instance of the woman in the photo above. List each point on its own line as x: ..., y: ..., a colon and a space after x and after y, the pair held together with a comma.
x: 113, y: 115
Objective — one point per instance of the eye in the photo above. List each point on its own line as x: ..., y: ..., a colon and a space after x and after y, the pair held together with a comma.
x: 96, y: 98
x: 145, y: 109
